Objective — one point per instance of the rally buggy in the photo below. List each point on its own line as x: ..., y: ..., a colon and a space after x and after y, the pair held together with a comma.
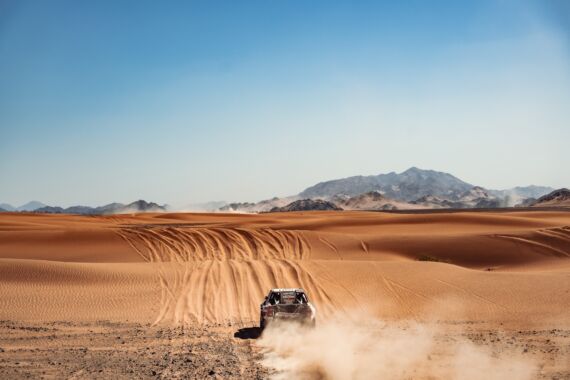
x: 287, y: 304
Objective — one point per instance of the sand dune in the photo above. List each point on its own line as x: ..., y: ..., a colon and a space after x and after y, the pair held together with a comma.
x: 187, y: 268
x: 427, y: 295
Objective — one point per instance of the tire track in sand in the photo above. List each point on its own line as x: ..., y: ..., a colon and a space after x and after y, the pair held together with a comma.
x: 155, y: 243
x: 536, y: 244
x: 547, y: 241
x: 221, y: 274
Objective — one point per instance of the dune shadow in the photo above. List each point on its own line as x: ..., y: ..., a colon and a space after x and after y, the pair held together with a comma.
x: 248, y: 333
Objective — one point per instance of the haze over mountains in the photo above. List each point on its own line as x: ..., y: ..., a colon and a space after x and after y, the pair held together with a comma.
x: 412, y: 189
x: 112, y: 208
x: 30, y: 206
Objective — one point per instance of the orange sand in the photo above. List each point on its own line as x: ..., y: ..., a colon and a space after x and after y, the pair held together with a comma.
x: 509, y: 267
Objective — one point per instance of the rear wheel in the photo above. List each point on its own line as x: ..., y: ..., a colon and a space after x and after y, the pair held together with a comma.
x: 261, y: 323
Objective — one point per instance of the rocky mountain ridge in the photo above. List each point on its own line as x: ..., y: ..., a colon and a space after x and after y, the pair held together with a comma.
x: 408, y: 185
x: 412, y: 189
x: 557, y: 198
x: 308, y: 205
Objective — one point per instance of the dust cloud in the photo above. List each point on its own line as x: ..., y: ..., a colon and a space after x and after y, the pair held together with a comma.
x: 343, y: 348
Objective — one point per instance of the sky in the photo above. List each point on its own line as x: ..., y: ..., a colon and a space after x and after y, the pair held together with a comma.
x: 185, y: 102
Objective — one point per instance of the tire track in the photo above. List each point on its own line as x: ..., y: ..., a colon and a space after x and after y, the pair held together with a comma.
x: 217, y: 274
x: 536, y: 244
x: 195, y: 244
x: 548, y: 241
x: 331, y: 246
x: 399, y: 299
x: 473, y: 294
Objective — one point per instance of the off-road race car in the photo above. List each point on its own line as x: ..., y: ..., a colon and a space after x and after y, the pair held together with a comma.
x: 286, y: 304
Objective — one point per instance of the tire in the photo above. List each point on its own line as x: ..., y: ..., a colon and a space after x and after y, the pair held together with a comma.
x: 262, y: 323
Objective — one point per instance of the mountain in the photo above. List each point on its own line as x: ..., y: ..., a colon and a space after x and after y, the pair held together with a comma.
x: 478, y: 197
x: 238, y: 206
x: 7, y: 207
x: 2, y: 210
x: 418, y: 188
x: 261, y: 206
x: 526, y: 202
x: 119, y: 208
x: 431, y: 201
x: 140, y: 206
x: 372, y: 200
x: 50, y: 210
x: 31, y: 206
x: 409, y: 185
x: 557, y: 198
x: 412, y: 189
x: 84, y: 210
x: 308, y: 205
x: 112, y: 208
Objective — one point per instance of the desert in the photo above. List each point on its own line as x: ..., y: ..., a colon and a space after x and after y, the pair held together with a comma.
x: 176, y: 295
x: 285, y: 190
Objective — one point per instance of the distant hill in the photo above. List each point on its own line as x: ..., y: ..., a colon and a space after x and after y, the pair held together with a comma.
x: 308, y: 205
x: 80, y: 210
x: 372, y: 200
x: 140, y: 206
x: 557, y: 198
x: 50, y: 210
x: 416, y: 187
x: 528, y: 202
x: 31, y: 206
x: 478, y: 197
x: 261, y: 206
x: 412, y: 189
x: 238, y: 206
x: 408, y: 185
x: 112, y: 208
x: 7, y: 207
x: 431, y: 202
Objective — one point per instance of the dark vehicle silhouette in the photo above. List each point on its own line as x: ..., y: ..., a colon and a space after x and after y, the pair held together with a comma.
x: 287, y: 304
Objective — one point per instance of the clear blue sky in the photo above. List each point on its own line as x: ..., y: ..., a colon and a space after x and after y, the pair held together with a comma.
x: 183, y: 102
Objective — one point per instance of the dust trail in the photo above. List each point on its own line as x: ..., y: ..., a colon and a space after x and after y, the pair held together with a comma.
x: 359, y: 348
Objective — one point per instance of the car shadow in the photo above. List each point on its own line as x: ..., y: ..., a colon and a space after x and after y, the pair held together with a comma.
x: 248, y: 333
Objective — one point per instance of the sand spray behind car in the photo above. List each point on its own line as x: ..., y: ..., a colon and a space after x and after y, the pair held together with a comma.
x: 360, y: 348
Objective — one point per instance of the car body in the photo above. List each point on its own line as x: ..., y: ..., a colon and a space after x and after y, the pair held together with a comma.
x: 287, y: 304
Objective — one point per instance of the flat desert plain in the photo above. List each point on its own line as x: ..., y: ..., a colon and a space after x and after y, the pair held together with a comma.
x: 454, y: 295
